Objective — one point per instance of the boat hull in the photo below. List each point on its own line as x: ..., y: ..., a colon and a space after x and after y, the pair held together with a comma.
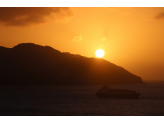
x: 118, y: 95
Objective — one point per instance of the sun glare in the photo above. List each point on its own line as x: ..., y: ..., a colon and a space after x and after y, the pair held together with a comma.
x: 99, y: 53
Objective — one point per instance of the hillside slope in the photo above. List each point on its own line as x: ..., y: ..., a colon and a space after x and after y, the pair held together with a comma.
x: 31, y: 64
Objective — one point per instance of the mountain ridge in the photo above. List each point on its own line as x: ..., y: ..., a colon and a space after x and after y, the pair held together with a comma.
x: 33, y: 64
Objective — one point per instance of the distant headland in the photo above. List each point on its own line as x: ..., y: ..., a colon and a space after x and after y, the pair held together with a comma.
x: 31, y: 64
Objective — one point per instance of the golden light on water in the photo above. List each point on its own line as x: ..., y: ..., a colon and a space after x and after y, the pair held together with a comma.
x: 99, y: 53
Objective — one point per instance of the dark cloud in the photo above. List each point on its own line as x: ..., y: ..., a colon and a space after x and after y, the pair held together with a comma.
x: 25, y: 16
x: 160, y: 16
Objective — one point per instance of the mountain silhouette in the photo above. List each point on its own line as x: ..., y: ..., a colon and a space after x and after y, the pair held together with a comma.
x: 31, y: 64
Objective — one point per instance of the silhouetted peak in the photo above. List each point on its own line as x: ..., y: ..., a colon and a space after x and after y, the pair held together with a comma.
x: 35, y: 48
x: 33, y: 64
x: 26, y: 45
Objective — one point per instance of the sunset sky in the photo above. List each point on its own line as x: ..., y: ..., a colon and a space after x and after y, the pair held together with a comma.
x: 131, y: 37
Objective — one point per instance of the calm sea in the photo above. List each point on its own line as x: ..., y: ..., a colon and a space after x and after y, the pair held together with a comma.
x: 79, y: 101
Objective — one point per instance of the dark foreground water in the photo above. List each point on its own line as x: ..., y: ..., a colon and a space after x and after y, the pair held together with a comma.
x: 79, y: 101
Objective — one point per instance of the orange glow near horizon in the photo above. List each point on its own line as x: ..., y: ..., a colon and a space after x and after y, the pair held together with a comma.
x: 131, y: 37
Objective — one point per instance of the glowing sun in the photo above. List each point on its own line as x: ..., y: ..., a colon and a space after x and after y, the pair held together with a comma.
x: 99, y: 53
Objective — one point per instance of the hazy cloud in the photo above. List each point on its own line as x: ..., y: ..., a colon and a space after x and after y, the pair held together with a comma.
x: 160, y: 16
x: 100, y: 43
x: 77, y: 38
x: 25, y: 16
x: 103, y: 40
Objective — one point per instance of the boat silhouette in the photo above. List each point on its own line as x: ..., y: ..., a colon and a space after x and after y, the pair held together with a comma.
x: 107, y: 92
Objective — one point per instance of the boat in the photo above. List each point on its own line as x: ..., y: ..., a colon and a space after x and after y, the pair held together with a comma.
x: 107, y: 92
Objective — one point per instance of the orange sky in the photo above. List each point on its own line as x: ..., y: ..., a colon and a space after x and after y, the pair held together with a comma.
x: 131, y: 37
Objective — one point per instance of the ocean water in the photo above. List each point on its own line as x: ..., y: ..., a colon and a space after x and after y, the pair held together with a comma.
x: 79, y: 101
